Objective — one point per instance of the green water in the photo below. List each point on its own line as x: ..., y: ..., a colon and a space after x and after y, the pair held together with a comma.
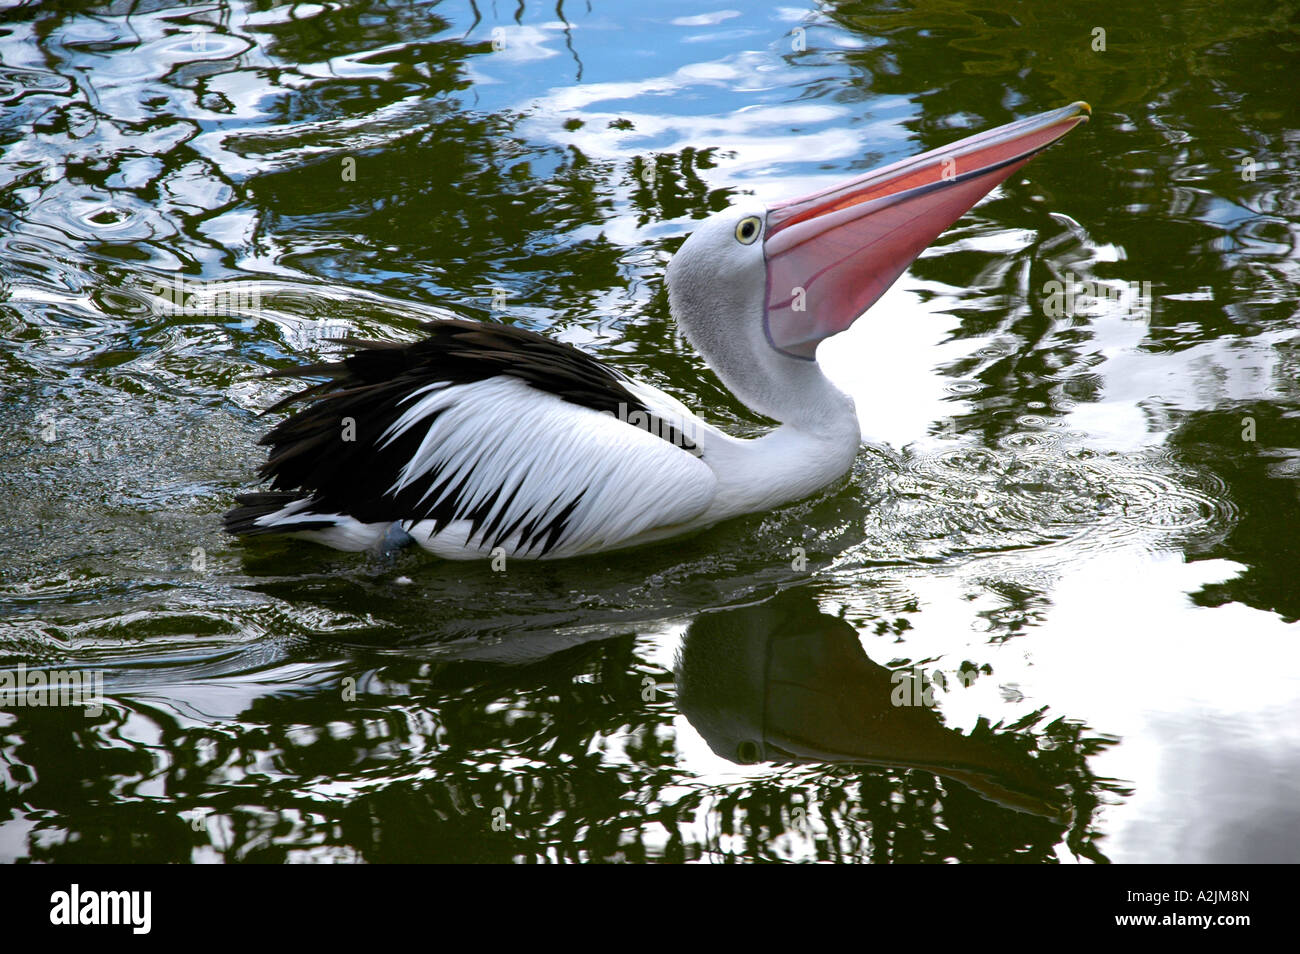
x: 1075, y: 531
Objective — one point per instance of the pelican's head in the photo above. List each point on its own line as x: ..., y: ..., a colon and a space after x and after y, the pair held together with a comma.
x: 794, y: 273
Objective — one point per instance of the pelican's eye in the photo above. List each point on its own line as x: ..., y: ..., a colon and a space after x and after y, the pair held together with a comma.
x: 747, y: 229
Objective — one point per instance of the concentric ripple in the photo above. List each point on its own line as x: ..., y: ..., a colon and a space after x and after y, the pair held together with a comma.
x: 1031, y: 492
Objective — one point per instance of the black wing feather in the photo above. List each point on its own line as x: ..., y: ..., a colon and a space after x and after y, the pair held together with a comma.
x: 308, y: 459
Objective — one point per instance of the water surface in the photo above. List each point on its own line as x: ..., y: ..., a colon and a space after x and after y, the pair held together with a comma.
x: 1074, y: 531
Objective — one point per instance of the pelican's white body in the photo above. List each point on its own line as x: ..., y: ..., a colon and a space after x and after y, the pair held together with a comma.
x: 645, y: 487
x: 507, y: 464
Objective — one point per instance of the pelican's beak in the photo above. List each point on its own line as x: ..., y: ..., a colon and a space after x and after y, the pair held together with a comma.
x: 832, y: 254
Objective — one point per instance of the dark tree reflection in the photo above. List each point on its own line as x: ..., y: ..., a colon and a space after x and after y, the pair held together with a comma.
x: 567, y: 758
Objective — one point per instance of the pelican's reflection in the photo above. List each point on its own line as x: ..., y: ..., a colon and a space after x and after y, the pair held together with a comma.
x: 784, y: 682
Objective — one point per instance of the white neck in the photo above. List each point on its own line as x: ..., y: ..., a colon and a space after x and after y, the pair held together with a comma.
x: 784, y: 465
x: 819, y: 437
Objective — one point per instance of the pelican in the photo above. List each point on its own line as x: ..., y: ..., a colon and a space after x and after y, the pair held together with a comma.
x: 483, y: 439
